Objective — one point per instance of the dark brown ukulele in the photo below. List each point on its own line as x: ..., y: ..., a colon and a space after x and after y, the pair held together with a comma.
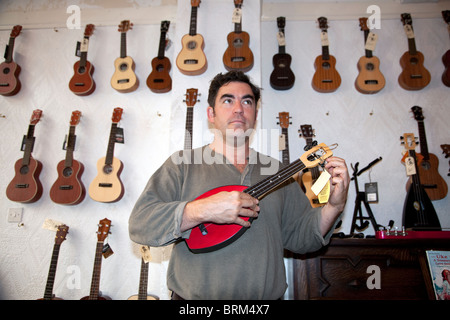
x: 282, y: 77
x: 414, y: 75
x: 82, y: 83
x: 159, y: 80
x: 446, y: 56
x: 26, y: 186
x: 102, y: 234
x: 68, y: 188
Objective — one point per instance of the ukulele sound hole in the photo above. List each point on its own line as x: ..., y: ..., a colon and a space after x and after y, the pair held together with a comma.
x: 123, y: 67
x: 370, y: 66
x: 238, y: 43
x: 6, y: 70
x: 192, y: 45
x: 414, y: 61
x: 326, y: 65
x: 107, y: 169
x: 24, y: 169
x: 160, y: 68
x: 426, y: 165
x: 81, y: 69
x: 67, y: 172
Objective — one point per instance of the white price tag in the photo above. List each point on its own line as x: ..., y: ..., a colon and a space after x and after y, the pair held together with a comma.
x: 324, y: 38
x: 145, y: 252
x: 371, y: 41
x: 84, y: 45
x: 321, y: 182
x: 409, y: 31
x: 281, y: 39
x: 282, y: 142
x: 410, y: 166
x: 51, y: 225
x: 237, y: 14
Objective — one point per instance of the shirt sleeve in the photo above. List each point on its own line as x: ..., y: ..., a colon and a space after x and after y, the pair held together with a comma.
x: 156, y: 217
x: 301, y: 222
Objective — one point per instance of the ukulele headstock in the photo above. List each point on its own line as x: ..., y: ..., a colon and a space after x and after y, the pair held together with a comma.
x: 284, y: 120
x: 191, y: 97
x: 409, y: 141
x: 103, y: 229
x: 316, y: 155
x: 89, y: 30
x: 125, y: 25
x: 323, y: 23
x: 15, y: 31
x: 363, y: 24
x: 117, y: 115
x: 75, y: 118
x: 61, y: 233
x: 36, y: 116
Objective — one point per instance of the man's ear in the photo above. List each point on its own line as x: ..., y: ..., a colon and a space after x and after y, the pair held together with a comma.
x: 210, y: 113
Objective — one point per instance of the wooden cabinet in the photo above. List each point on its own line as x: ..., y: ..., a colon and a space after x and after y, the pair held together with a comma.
x: 342, y: 269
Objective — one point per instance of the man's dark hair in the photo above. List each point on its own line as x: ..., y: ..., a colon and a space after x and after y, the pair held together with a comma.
x: 231, y: 76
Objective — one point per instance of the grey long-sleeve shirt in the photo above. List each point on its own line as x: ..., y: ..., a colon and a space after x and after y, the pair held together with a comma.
x: 252, y: 267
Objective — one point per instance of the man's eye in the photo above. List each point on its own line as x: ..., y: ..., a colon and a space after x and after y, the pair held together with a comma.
x: 247, y: 102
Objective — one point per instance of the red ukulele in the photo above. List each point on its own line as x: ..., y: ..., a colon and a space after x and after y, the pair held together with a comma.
x: 68, y: 188
x: 25, y: 186
x: 82, y: 83
x: 9, y: 70
x: 209, y: 237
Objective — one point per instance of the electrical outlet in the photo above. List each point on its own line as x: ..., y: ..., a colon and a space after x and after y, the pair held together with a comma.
x: 15, y: 215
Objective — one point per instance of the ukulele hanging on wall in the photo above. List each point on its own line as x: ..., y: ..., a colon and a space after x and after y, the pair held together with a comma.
x: 124, y: 78
x: 191, y: 60
x: 282, y: 77
x: 326, y: 78
x: 238, y: 55
x: 9, y: 70
x: 370, y: 79
x: 26, y: 186
x: 82, y: 83
x: 414, y: 75
x: 159, y: 80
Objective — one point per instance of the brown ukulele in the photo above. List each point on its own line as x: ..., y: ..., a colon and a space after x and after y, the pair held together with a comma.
x: 434, y: 185
x: 191, y: 100
x: 238, y: 55
x: 418, y: 210
x: 124, y: 78
x: 326, y: 78
x: 159, y: 80
x: 282, y: 77
x: 107, y: 186
x: 68, y: 188
x: 82, y: 83
x: 310, y: 175
x: 9, y: 70
x: 143, y: 279
x: 191, y: 60
x: 26, y: 186
x: 414, y: 75
x: 102, y: 234
x: 446, y: 56
x: 370, y: 79
x: 61, y: 233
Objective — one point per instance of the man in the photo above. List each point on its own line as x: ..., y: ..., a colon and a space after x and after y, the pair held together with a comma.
x: 252, y: 266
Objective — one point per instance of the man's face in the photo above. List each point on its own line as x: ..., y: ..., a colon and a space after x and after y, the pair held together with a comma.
x: 235, y: 109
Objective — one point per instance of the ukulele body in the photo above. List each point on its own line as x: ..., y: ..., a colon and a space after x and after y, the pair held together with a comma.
x: 82, y: 83
x: 282, y: 77
x: 414, y: 75
x: 370, y: 79
x: 159, y: 80
x: 192, y: 60
x: 9, y: 78
x: 418, y: 211
x: 124, y: 79
x: 238, y: 55
x: 68, y: 188
x: 326, y: 78
x: 107, y: 186
x: 25, y: 186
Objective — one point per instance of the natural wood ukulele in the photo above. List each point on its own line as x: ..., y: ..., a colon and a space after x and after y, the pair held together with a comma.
x: 68, y: 189
x: 82, y: 83
x: 124, y: 78
x: 414, y: 75
x: 159, y: 80
x: 370, y: 79
x: 282, y: 77
x: 107, y: 186
x: 10, y: 70
x: 238, y: 55
x: 326, y: 78
x: 191, y: 60
x: 26, y: 186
